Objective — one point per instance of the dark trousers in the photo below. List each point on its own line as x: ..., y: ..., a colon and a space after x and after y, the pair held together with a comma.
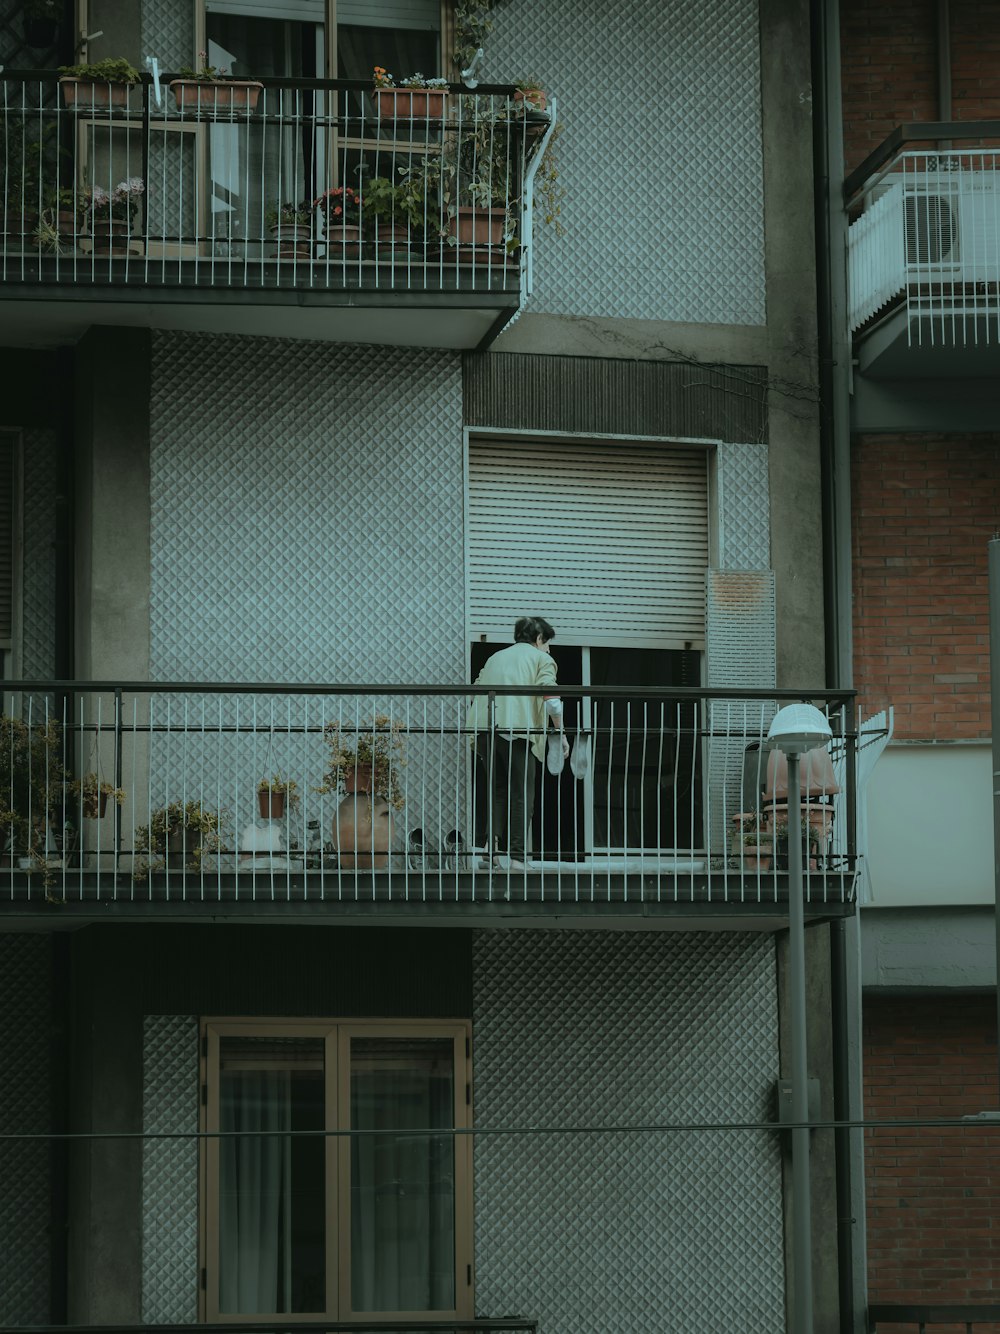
x: 511, y: 765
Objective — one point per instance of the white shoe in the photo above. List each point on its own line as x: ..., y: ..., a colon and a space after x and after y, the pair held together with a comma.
x: 503, y: 863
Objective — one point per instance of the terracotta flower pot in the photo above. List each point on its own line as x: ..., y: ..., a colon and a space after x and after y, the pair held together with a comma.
x: 294, y: 240
x: 392, y: 242
x: 110, y: 236
x: 358, y: 778
x: 410, y: 103
x: 531, y: 98
x: 479, y: 226
x: 362, y: 831
x: 756, y: 858
x: 85, y: 95
x: 270, y: 803
x: 343, y: 242
x: 225, y: 97
x: 19, y: 227
x: 95, y: 806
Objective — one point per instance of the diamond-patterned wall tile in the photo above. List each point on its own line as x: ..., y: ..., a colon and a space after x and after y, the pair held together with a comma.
x: 170, y: 1170
x: 38, y: 602
x: 622, y: 1232
x: 660, y: 155
x: 306, y: 512
x: 744, y: 507
x: 25, y: 1094
x: 741, y: 617
x: 168, y: 32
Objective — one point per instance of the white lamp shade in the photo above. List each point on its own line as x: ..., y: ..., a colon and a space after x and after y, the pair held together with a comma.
x: 797, y: 728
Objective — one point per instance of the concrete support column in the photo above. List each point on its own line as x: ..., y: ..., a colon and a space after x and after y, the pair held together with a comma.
x: 105, y: 1196
x: 112, y: 504
x: 793, y: 398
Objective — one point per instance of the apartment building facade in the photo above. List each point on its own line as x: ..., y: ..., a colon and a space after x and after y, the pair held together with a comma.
x: 269, y: 490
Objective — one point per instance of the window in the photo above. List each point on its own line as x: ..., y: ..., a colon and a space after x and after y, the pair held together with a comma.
x: 302, y: 1219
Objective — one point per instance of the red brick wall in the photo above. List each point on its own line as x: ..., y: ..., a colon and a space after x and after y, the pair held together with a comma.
x: 925, y: 507
x: 889, y: 66
x: 933, y: 1194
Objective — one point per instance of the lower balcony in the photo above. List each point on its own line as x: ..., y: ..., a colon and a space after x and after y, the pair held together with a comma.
x: 293, y: 208
x: 207, y: 799
x: 924, y: 254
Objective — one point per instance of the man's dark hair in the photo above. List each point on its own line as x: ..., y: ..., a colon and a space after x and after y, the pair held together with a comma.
x: 528, y: 628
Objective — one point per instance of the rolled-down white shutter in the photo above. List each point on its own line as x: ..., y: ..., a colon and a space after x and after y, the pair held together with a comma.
x: 608, y: 541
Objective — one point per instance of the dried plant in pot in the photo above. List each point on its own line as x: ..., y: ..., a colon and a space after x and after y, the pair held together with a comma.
x: 275, y: 795
x: 91, y: 795
x: 363, y: 767
x: 177, y: 836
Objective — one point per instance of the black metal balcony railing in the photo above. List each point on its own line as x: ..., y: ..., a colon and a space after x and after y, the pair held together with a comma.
x: 238, y: 792
x: 221, y: 185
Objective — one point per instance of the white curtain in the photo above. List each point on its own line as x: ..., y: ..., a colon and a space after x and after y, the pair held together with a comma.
x: 402, y: 1186
x: 255, y: 1193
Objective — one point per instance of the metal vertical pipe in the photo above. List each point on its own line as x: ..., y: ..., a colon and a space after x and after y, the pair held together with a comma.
x: 802, y: 1296
x: 994, y: 593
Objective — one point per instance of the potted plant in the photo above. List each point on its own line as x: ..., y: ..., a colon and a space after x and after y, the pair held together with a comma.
x: 388, y: 213
x: 416, y: 98
x: 274, y: 794
x: 178, y: 834
x: 92, y: 794
x: 29, y: 153
x: 41, y: 22
x: 112, y: 216
x: 32, y: 794
x: 105, y: 83
x: 213, y: 89
x: 810, y: 844
x: 757, y: 849
x: 363, y: 767
x: 529, y: 95
x: 339, y: 210
x: 291, y: 227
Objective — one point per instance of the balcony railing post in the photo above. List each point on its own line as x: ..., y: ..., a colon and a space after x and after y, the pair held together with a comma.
x: 118, y: 776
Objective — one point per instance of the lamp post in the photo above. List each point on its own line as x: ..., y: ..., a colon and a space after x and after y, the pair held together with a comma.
x: 794, y: 730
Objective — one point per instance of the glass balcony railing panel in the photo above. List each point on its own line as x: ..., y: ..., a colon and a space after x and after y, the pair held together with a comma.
x: 403, y: 794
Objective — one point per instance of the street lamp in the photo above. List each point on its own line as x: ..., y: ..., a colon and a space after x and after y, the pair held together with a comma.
x: 795, y: 730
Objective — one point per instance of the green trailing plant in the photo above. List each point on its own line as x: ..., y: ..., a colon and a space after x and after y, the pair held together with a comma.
x: 198, y: 827
x: 111, y: 70
x: 404, y: 203
x: 473, y: 25
x: 377, y: 746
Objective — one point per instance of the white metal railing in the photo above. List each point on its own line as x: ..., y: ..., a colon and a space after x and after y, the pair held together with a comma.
x: 666, y: 796
x: 224, y: 185
x: 928, y: 238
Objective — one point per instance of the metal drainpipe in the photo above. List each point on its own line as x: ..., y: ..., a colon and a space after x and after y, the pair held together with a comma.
x: 835, y: 372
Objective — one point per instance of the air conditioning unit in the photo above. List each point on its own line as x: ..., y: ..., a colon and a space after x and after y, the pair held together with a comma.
x: 951, y: 224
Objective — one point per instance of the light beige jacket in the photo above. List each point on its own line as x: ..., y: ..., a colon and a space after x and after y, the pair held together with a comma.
x: 524, y: 715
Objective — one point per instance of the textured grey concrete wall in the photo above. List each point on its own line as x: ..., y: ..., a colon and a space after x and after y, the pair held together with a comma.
x: 587, y: 1221
x: 913, y: 948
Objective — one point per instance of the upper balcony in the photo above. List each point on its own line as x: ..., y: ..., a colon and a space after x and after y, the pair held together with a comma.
x: 924, y: 253
x: 668, y: 806
x: 208, y: 206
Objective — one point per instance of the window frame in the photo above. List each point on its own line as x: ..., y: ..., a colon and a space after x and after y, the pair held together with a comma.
x: 336, y: 1035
